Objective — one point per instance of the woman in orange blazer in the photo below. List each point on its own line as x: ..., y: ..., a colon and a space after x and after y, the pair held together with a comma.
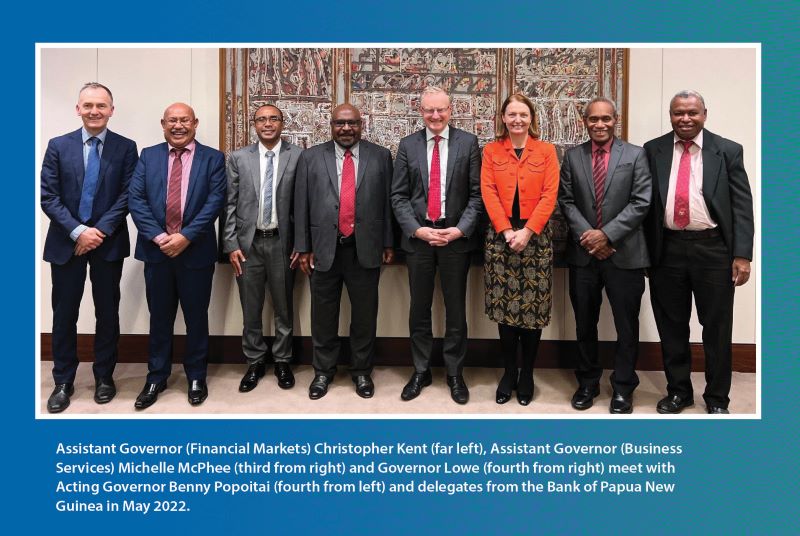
x: 519, y: 184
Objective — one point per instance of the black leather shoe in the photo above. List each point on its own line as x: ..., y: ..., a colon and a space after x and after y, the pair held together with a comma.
x: 364, y: 386
x: 250, y: 379
x: 584, y: 397
x: 414, y: 386
x: 198, y: 392
x: 104, y: 390
x: 59, y: 398
x: 319, y: 387
x: 717, y: 410
x: 506, y: 385
x: 673, y: 404
x: 458, y: 389
x: 621, y: 403
x: 284, y: 374
x: 149, y: 394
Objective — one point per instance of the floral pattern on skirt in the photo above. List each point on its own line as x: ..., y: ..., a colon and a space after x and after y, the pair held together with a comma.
x: 518, y: 285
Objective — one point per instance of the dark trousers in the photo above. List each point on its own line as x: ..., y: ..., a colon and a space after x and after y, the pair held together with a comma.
x: 453, y: 269
x: 703, y: 268
x: 624, y: 289
x: 168, y: 284
x: 266, y: 268
x: 68, y: 283
x: 326, y: 297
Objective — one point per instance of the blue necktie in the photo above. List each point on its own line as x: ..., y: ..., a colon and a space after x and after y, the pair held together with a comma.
x: 267, y: 189
x: 90, y: 181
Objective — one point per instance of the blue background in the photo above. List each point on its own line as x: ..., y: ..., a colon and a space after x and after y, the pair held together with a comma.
x: 734, y: 476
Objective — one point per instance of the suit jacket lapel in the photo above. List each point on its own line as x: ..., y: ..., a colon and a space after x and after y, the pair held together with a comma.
x: 421, y: 144
x: 79, y: 168
x: 613, y: 161
x: 711, y: 166
x: 283, y: 162
x: 363, y: 159
x: 105, y: 160
x: 663, y: 166
x: 330, y: 163
x: 161, y: 180
x: 452, y: 153
x: 197, y: 162
x: 586, y: 161
x: 253, y: 161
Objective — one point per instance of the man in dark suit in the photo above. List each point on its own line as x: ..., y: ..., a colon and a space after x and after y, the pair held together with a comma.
x: 436, y: 197
x: 604, y: 194
x: 259, y: 240
x: 176, y: 194
x: 343, y: 232
x: 85, y: 178
x: 700, y: 234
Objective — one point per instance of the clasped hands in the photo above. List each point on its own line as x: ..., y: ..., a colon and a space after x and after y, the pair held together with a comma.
x: 518, y: 239
x: 595, y: 242
x: 89, y: 239
x: 173, y: 245
x: 438, y: 237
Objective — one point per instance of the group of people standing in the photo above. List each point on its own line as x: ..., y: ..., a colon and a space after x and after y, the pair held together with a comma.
x: 680, y: 207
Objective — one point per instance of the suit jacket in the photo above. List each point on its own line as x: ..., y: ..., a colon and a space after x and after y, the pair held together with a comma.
x: 463, y: 205
x: 244, y: 193
x: 537, y: 173
x: 726, y: 191
x: 204, y: 200
x: 628, y: 191
x: 316, y: 204
x: 62, y: 184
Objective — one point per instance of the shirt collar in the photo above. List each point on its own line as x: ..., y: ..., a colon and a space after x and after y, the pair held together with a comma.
x: 445, y: 134
x: 606, y: 146
x: 340, y: 150
x: 263, y: 149
x: 698, y: 140
x: 85, y: 135
x: 189, y: 148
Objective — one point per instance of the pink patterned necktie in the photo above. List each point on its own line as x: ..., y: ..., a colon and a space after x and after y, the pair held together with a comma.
x: 347, y: 195
x: 599, y: 173
x: 681, y: 212
x: 435, y: 183
x: 174, y: 212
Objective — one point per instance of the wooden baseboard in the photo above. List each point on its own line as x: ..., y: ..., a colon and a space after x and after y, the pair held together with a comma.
x: 396, y: 351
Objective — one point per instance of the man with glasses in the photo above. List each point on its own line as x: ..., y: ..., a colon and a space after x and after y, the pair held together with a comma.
x: 343, y: 232
x: 176, y: 194
x: 258, y: 238
x: 85, y: 178
x: 436, y: 197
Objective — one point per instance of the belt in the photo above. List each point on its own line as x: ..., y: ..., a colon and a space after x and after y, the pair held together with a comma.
x: 692, y: 235
x: 266, y: 233
x: 438, y: 224
x: 346, y: 240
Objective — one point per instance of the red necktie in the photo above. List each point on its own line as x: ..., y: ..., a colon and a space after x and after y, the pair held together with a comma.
x: 174, y: 212
x: 435, y: 183
x: 347, y: 195
x: 599, y: 173
x: 681, y: 213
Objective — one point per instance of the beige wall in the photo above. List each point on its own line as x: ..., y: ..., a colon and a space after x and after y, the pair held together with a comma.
x: 145, y: 81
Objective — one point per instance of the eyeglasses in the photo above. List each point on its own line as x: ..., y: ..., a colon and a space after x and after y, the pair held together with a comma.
x: 185, y: 121
x: 271, y: 119
x: 431, y: 111
x: 340, y: 123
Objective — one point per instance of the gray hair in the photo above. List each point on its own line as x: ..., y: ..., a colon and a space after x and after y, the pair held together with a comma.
x: 599, y: 99
x: 431, y: 90
x: 686, y: 94
x: 96, y: 85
